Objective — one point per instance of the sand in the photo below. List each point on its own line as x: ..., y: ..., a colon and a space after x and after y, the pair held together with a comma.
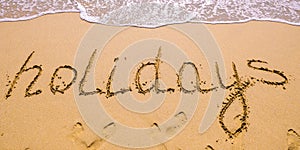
x: 52, y: 121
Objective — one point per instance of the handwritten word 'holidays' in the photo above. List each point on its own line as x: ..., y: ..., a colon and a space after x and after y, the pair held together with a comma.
x: 236, y: 89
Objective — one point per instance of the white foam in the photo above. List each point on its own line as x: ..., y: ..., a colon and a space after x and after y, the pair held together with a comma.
x: 154, y: 13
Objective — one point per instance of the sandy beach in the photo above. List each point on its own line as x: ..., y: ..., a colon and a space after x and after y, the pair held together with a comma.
x: 261, y: 52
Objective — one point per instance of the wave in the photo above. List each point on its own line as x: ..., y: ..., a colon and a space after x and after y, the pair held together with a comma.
x: 155, y: 13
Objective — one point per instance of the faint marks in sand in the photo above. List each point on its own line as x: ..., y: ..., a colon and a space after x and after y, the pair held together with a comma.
x: 208, y: 147
x: 181, y: 120
x: 78, y: 136
x: 293, y: 139
x: 109, y: 130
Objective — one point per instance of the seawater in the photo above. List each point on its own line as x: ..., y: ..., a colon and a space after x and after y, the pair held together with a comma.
x: 155, y: 13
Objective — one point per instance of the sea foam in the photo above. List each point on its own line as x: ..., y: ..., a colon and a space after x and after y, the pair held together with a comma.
x: 155, y: 13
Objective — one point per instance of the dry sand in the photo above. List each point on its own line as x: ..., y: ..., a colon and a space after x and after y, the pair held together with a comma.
x: 48, y: 121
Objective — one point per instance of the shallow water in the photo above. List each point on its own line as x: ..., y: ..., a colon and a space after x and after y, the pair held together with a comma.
x: 154, y: 13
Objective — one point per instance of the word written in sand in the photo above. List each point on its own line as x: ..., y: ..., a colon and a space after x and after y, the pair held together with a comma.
x: 236, y: 89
